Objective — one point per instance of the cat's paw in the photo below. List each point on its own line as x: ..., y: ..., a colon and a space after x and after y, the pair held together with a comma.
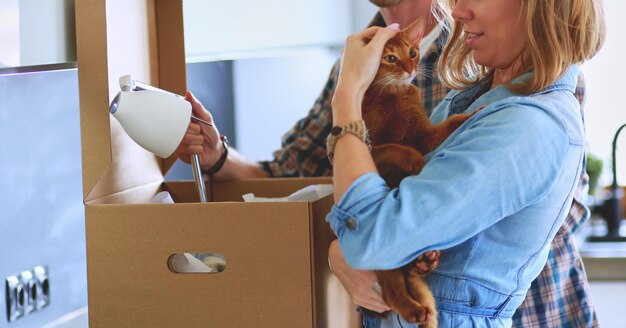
x: 427, y: 262
x: 415, y: 163
x: 420, y: 314
x: 431, y: 322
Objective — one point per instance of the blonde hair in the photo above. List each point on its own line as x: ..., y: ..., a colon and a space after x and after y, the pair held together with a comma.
x: 572, y: 30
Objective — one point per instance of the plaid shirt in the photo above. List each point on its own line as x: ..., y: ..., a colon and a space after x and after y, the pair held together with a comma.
x: 560, y: 295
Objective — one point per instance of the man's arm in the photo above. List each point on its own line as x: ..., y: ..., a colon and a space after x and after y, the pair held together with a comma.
x: 239, y: 167
x: 303, y: 151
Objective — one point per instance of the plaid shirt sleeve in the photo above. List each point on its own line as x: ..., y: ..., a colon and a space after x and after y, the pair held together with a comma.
x: 560, y: 296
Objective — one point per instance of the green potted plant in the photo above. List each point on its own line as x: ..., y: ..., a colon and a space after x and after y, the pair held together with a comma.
x: 594, y: 169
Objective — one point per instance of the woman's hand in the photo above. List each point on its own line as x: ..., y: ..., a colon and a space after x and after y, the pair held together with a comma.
x: 358, y: 283
x: 200, y: 138
x: 360, y: 61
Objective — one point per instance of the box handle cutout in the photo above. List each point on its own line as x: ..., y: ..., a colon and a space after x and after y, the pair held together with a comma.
x: 196, y: 263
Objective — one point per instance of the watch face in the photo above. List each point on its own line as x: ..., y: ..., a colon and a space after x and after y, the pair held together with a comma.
x: 335, y: 130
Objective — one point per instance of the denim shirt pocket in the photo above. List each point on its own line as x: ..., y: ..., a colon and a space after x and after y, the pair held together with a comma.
x: 369, y: 320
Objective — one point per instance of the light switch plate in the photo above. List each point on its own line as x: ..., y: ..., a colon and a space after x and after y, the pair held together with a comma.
x: 43, y: 286
x: 15, y: 298
x: 30, y: 291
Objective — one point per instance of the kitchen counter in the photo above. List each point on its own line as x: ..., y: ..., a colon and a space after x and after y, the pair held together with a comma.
x: 604, y: 261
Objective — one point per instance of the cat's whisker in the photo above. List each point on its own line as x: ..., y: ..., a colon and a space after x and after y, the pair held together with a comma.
x: 423, y: 71
x: 385, y: 81
x: 429, y: 75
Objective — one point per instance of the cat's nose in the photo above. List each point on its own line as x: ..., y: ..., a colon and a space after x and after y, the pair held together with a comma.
x: 408, y: 69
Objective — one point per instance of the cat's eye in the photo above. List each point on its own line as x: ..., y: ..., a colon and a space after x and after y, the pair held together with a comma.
x: 412, y: 53
x: 391, y: 58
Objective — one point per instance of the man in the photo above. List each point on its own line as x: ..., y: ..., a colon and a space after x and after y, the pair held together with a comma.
x: 559, y: 297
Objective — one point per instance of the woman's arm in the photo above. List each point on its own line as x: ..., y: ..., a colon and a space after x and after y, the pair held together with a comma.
x: 360, y: 61
x: 503, y: 159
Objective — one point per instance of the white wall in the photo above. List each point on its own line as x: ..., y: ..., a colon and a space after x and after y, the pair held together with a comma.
x: 605, y: 110
x: 272, y: 93
x: 9, y: 33
x: 42, y: 220
x: 362, y: 13
x: 234, y: 29
x: 47, y: 32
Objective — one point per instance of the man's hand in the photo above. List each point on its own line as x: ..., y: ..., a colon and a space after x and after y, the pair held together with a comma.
x: 200, y: 138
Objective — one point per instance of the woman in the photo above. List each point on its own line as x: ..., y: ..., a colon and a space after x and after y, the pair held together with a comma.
x: 493, y: 195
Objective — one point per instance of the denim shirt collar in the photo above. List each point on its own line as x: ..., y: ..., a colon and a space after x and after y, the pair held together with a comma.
x: 463, y: 100
x: 479, y: 95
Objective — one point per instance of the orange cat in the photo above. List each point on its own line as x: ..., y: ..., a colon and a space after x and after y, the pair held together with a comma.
x: 400, y: 133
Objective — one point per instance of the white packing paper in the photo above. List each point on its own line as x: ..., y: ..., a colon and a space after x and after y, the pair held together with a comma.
x: 181, y: 262
x: 307, y: 194
x: 185, y: 263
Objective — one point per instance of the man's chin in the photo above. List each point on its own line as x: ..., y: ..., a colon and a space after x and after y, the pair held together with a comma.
x: 385, y: 3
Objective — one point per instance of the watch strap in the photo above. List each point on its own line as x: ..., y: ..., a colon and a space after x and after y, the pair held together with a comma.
x: 356, y: 128
x: 220, y: 162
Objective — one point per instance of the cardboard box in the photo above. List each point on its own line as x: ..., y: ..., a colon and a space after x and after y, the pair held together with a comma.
x: 276, y: 261
x: 276, y: 272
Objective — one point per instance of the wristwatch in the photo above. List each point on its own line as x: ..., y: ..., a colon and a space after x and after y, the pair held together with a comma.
x: 356, y: 128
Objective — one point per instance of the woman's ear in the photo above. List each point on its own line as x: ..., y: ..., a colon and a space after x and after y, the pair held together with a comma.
x: 415, y: 31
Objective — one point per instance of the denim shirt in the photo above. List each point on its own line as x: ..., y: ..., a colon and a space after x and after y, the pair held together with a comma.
x: 491, y: 197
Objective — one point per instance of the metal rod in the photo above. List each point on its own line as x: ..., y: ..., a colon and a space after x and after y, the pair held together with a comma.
x: 201, y: 121
x: 197, y: 175
x: 197, y: 172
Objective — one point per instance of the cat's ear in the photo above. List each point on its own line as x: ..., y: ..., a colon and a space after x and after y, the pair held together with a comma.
x: 415, y: 31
